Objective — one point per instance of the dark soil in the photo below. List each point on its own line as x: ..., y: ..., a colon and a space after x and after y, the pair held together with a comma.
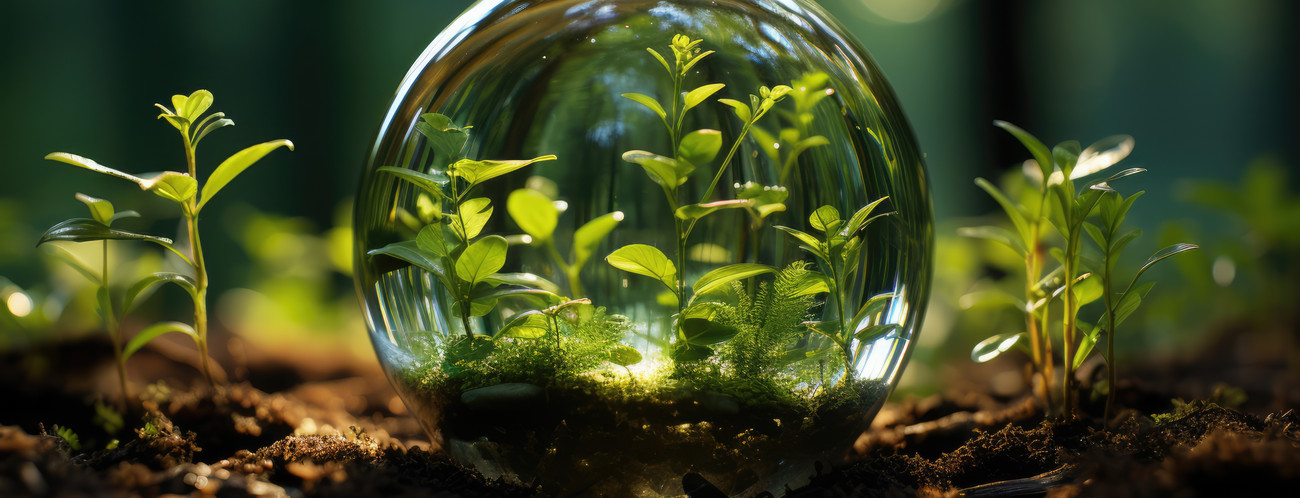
x: 342, y: 432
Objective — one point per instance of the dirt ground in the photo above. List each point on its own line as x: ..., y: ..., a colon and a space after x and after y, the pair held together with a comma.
x: 311, y: 426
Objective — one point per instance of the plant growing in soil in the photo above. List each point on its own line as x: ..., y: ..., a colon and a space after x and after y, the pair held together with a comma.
x: 1061, y: 205
x: 100, y: 227
x: 182, y: 188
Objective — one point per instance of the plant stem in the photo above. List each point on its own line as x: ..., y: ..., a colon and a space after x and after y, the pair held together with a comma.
x: 200, y: 269
x: 114, y: 331
x: 1110, y: 336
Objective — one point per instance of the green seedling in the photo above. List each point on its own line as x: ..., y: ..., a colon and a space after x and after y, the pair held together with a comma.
x: 692, y: 150
x: 68, y: 436
x: 1060, y: 204
x: 538, y: 215
x: 183, y: 189
x: 838, y: 251
x: 1112, y: 241
x: 468, y: 265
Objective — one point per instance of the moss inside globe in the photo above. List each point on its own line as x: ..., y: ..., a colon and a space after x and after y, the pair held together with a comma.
x: 629, y: 247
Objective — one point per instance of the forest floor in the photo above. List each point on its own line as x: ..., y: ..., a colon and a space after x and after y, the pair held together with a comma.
x: 310, y: 426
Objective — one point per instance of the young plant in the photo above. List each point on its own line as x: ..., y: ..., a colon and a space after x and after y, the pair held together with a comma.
x: 538, y: 215
x: 99, y: 227
x: 183, y: 189
x: 837, y: 250
x: 451, y: 247
x: 691, y: 150
x: 1066, y: 208
x: 1119, y: 306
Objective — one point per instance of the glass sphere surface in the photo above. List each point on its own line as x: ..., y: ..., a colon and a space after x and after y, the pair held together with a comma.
x: 718, y: 277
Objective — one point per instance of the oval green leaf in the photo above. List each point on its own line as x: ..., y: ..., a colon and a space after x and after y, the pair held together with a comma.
x: 645, y: 260
x: 990, y: 348
x: 700, y: 146
x: 86, y: 229
x: 624, y: 356
x: 825, y: 218
x: 476, y: 172
x: 534, y: 213
x: 90, y: 164
x: 471, y: 216
x: 699, y: 95
x: 100, y: 209
x: 588, y: 237
x: 177, y: 187
x: 481, y: 259
x: 704, y: 332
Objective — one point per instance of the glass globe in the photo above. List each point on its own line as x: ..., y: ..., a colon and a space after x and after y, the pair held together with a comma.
x: 625, y: 247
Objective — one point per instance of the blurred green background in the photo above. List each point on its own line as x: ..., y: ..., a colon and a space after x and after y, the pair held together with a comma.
x: 1206, y: 87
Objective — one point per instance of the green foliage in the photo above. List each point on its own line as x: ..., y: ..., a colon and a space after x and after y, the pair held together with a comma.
x: 538, y: 216
x: 68, y: 436
x: 450, y: 247
x: 1058, y: 203
x: 107, y: 418
x: 182, y: 188
x: 837, y: 250
x: 770, y: 331
x: 561, y: 346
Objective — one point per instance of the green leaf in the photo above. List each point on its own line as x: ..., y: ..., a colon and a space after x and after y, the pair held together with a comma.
x: 209, y: 124
x: 1097, y: 236
x: 1036, y: 148
x: 872, y: 308
x: 661, y: 60
x: 177, y: 187
x: 809, y: 241
x: 698, y: 95
x: 686, y: 352
x: 720, y: 277
x: 809, y: 283
x: 444, y: 137
x: 433, y: 240
x: 996, y: 234
x: 624, y: 356
x: 1086, y: 344
x: 697, y: 211
x: 1013, y: 212
x: 101, y: 210
x: 1066, y: 155
x: 195, y: 105
x: 90, y: 164
x: 71, y: 260
x: 471, y: 216
x: 703, y: 332
x: 700, y: 146
x: 428, y: 183
x: 663, y: 170
x: 122, y: 214
x: 645, y: 260
x: 1130, y: 301
x: 1117, y: 246
x: 86, y: 229
x: 527, y: 280
x: 534, y: 213
x: 152, y: 332
x: 409, y: 252
x: 144, y: 284
x: 990, y: 348
x: 1103, y: 154
x: 1162, y: 254
x: 860, y: 219
x: 825, y: 219
x: 695, y: 60
x: 742, y: 109
x: 531, y: 324
x: 830, y: 330
x: 649, y: 102
x: 1087, y: 291
x: 481, y: 259
x: 236, y: 164
x: 876, y: 331
x: 588, y: 237
x: 476, y: 172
